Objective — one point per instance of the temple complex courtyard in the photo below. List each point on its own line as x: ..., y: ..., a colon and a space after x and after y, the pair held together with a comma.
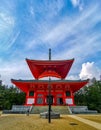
x: 34, y: 122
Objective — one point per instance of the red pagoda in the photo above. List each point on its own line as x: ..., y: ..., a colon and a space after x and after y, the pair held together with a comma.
x: 62, y: 91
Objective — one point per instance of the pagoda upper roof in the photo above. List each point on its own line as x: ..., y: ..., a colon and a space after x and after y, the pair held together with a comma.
x: 54, y: 68
x: 74, y: 85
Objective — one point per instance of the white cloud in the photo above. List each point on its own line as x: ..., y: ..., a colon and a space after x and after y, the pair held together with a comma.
x: 7, y: 24
x: 15, y: 70
x: 12, y: 39
x: 6, y: 21
x: 78, y: 3
x: 32, y: 11
x: 84, y: 40
x: 72, y: 77
x: 89, y: 70
x: 52, y: 8
x: 71, y: 26
x: 75, y: 2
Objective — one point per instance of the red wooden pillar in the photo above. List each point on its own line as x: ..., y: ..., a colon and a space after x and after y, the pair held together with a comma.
x: 64, y: 97
x: 72, y: 96
x: 44, y: 96
x: 26, y: 98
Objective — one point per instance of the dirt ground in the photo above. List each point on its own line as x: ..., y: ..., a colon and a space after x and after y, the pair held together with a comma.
x: 34, y: 122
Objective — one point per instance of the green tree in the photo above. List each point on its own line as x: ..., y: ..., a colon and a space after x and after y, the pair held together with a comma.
x: 80, y: 98
x: 10, y: 96
x: 93, y: 96
x: 90, y: 96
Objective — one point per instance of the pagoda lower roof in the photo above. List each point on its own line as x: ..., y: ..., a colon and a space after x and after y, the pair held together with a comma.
x: 53, y: 68
x: 25, y: 85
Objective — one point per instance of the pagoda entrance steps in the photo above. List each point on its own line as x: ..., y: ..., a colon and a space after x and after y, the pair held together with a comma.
x: 20, y: 109
x: 57, y: 109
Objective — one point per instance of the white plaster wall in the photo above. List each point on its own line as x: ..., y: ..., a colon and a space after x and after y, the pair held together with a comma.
x: 69, y: 101
x: 30, y: 101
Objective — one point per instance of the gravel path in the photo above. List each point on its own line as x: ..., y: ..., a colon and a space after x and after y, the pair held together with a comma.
x: 91, y: 123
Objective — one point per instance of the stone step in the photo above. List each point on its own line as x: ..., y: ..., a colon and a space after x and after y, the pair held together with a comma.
x: 59, y: 109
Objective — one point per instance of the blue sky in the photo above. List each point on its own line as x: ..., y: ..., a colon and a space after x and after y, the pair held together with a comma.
x: 71, y: 28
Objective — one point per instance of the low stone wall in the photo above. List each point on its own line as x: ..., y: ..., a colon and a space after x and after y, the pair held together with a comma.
x: 17, y: 109
x: 81, y: 109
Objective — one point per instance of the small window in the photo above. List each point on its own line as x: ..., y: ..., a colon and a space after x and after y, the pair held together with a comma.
x: 59, y: 95
x: 68, y: 93
x: 31, y: 93
x: 40, y: 95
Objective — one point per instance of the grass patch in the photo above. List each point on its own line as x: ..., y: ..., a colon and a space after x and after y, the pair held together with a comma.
x: 34, y: 122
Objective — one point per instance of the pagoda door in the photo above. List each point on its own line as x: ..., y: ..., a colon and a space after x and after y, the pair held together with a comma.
x: 59, y: 99
x: 51, y: 99
x: 40, y: 99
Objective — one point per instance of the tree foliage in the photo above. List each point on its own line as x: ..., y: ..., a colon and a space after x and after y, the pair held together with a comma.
x: 90, y: 96
x: 10, y: 96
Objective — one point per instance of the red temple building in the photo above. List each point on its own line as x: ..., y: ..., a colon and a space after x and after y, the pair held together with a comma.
x: 62, y: 91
